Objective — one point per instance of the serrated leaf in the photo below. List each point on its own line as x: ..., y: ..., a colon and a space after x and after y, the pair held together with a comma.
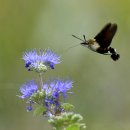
x: 39, y: 111
x: 73, y: 127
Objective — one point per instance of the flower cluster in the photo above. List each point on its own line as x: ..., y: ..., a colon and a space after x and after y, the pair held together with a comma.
x: 67, y: 119
x: 40, y: 60
x: 49, y: 96
x: 45, y: 98
x: 54, y: 89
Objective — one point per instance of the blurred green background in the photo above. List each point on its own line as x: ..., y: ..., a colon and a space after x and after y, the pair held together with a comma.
x: 102, y: 86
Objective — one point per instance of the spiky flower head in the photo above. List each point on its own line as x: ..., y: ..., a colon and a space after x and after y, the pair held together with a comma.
x: 28, y: 89
x: 40, y: 60
x: 54, y: 89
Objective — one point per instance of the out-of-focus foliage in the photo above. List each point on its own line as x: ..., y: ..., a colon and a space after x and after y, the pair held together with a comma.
x: 102, y: 87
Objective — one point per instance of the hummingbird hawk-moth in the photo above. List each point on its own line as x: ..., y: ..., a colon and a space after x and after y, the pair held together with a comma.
x: 102, y: 41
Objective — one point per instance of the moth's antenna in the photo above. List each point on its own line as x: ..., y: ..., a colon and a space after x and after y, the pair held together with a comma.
x: 78, y: 38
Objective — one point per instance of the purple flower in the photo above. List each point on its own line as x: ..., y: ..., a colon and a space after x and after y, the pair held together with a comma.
x: 51, y: 58
x: 53, y: 90
x: 39, y: 60
x: 27, y: 89
x: 56, y: 87
x: 29, y: 108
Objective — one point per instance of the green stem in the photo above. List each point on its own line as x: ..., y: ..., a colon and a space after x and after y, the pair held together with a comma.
x: 40, y: 78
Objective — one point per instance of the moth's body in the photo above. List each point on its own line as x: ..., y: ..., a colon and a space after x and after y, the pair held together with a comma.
x: 93, y: 45
x: 101, y: 42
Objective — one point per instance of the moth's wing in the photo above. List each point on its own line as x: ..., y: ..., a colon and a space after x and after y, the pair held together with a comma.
x: 104, y: 37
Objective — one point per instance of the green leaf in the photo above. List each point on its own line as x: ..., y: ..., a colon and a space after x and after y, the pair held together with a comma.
x: 39, y: 111
x: 67, y: 106
x: 73, y: 127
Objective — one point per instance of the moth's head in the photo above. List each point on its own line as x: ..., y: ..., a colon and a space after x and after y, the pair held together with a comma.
x: 85, y: 42
x: 88, y: 42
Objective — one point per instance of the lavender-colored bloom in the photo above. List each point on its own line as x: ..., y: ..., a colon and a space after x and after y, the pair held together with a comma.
x: 29, y: 108
x: 53, y: 90
x: 51, y: 57
x: 39, y: 60
x: 57, y: 87
x: 28, y: 89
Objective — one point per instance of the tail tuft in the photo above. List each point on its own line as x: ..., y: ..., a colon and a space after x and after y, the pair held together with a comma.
x: 115, y: 56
